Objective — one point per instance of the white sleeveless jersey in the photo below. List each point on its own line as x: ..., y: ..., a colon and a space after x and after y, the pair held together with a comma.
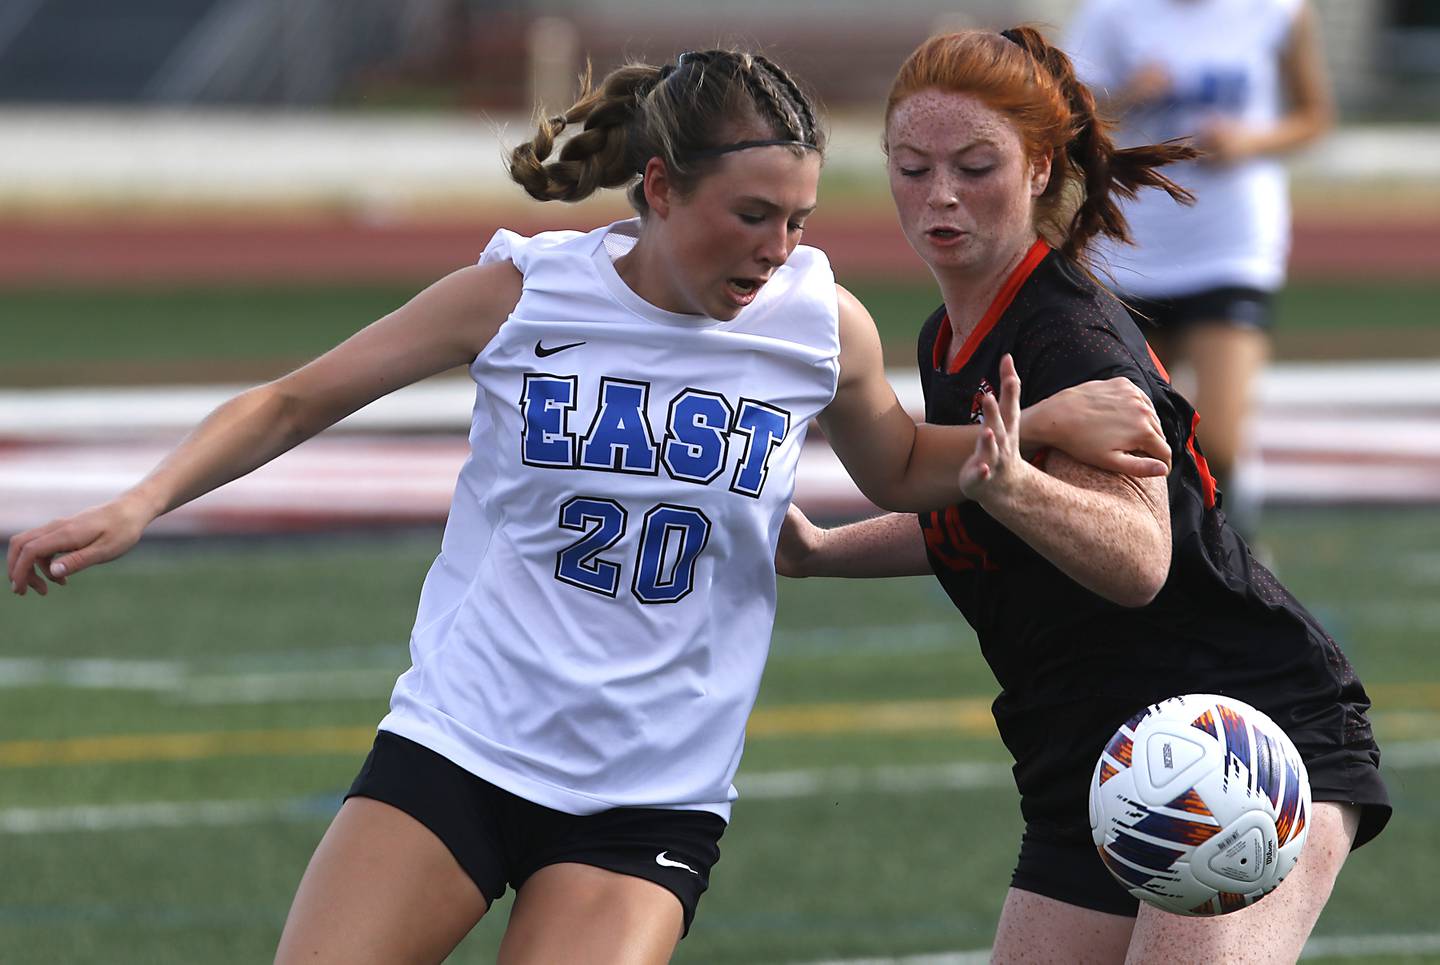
x: 593, y: 632
x: 1223, y: 57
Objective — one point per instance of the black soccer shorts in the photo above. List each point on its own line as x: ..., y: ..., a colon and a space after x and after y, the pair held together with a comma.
x: 499, y: 838
x: 1237, y: 305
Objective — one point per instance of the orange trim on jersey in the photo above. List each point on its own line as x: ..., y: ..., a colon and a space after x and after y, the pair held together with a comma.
x: 1207, y: 481
x: 1002, y: 301
x: 1159, y: 366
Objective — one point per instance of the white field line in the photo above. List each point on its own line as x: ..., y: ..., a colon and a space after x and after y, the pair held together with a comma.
x: 1365, y: 946
x: 1408, y: 754
x: 392, y: 482
x: 92, y: 674
x: 215, y: 686
x: 766, y: 785
x: 1326, y: 947
x: 157, y: 814
x: 877, y: 640
x: 267, y: 688
x: 176, y: 679
x: 438, y: 404
x: 444, y: 404
x: 389, y: 477
x: 381, y: 163
x: 335, y: 673
x: 1397, y: 715
x: 892, y: 779
x: 757, y: 786
x: 1418, y: 569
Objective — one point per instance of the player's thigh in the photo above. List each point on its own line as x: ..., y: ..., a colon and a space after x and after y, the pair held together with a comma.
x: 1272, y: 931
x: 580, y: 914
x: 382, y: 888
x: 1226, y: 360
x: 1035, y: 929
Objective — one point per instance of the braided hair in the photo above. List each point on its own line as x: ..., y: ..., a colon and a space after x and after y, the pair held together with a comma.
x: 685, y: 113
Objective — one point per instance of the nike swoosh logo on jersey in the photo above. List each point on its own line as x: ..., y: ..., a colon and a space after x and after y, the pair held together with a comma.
x: 665, y: 862
x: 543, y: 352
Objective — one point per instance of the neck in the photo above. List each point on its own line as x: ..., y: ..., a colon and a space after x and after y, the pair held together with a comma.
x: 639, y: 269
x: 969, y: 293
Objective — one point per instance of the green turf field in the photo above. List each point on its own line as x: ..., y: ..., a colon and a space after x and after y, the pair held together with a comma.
x: 106, y: 336
x: 178, y: 726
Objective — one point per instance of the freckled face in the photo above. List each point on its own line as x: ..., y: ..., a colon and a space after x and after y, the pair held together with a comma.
x: 724, y: 240
x: 962, y: 184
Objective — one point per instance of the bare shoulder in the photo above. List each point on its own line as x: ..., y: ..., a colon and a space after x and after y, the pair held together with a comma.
x: 848, y: 303
x: 855, y: 319
x: 478, y: 298
x: 861, y: 356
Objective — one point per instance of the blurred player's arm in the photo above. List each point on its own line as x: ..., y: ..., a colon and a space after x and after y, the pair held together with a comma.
x: 1118, y: 82
x: 446, y: 325
x: 1310, y: 111
x: 889, y: 545
x: 1311, y: 105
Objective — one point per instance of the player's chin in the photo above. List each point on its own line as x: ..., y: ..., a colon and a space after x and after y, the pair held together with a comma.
x: 723, y: 308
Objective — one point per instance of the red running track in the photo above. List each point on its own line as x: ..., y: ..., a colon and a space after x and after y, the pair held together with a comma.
x: 345, y: 252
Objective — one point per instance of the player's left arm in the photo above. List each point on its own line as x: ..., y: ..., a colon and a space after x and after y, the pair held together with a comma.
x: 1311, y: 106
x: 1302, y: 70
x: 1108, y: 532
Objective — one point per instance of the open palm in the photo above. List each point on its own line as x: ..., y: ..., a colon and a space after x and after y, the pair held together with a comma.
x: 997, y: 451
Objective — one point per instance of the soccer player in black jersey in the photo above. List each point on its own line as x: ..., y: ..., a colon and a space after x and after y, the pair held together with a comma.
x: 1092, y: 593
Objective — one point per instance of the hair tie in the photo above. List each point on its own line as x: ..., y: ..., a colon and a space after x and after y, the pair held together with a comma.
x: 745, y: 145
x: 685, y: 55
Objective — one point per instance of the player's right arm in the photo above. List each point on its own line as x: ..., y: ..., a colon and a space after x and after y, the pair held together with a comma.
x: 446, y: 325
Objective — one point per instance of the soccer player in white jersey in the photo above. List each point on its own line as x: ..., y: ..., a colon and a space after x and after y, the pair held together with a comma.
x: 1244, y: 80
x: 590, y: 638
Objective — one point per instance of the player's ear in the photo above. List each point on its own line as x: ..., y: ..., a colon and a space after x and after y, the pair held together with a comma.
x: 658, y: 187
x: 1039, y: 174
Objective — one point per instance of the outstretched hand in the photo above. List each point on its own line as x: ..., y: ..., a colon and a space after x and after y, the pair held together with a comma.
x: 997, y: 456
x: 64, y: 547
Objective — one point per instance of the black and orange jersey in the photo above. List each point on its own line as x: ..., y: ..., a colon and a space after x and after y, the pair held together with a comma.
x: 1072, y: 666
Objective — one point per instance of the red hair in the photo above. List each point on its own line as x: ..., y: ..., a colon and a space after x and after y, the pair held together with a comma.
x: 1034, y: 84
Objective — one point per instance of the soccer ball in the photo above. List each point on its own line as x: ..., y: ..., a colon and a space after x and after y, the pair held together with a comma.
x: 1199, y: 805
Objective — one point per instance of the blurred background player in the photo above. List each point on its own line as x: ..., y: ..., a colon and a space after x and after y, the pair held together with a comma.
x: 1244, y: 81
